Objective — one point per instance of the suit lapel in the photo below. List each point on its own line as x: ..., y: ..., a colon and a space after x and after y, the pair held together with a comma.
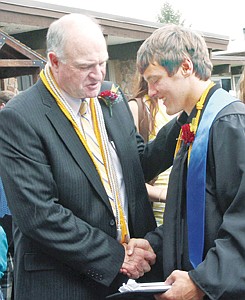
x: 69, y: 137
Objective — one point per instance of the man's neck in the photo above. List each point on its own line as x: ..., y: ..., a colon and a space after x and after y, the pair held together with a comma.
x: 199, y: 88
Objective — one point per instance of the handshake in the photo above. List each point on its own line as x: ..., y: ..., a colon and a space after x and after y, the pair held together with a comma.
x: 139, y: 257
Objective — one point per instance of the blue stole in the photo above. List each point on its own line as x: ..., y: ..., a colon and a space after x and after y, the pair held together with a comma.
x: 196, y: 176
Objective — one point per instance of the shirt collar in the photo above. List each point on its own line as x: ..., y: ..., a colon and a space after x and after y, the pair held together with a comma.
x: 74, y: 103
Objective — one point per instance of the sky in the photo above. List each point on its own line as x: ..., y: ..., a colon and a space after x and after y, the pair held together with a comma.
x: 214, y: 16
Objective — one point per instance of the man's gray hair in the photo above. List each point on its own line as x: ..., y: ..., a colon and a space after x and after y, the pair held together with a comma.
x: 58, y: 32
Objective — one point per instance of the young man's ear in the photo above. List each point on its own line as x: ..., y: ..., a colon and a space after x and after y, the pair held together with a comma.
x: 187, y: 67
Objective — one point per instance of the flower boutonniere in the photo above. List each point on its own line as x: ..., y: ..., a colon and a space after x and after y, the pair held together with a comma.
x: 188, y: 134
x: 111, y: 97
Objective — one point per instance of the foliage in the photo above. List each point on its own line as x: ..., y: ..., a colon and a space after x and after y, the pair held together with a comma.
x: 169, y: 15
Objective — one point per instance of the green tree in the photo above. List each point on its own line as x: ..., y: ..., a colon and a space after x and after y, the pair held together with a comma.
x: 169, y: 15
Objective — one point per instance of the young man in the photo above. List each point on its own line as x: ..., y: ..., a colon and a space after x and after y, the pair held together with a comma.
x: 201, y: 243
x: 75, y: 195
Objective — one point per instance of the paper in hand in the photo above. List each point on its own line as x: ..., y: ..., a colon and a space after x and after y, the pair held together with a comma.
x: 133, y: 288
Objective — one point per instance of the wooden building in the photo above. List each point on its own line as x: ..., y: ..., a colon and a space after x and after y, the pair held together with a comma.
x: 27, y: 21
x: 17, y: 60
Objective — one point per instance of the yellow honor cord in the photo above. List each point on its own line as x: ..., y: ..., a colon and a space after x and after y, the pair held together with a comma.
x: 195, y: 121
x: 98, y: 136
x: 123, y: 224
x: 69, y: 117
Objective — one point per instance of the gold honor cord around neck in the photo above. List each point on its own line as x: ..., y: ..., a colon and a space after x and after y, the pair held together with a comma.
x: 194, y: 121
x: 50, y: 84
x: 67, y: 114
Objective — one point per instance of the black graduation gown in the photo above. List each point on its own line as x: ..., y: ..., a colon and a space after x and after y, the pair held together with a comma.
x: 221, y: 275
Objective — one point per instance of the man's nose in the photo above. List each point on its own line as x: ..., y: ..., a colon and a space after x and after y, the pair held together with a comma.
x: 97, y: 72
x: 152, y: 92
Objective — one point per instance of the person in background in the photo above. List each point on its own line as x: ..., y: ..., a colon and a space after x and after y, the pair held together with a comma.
x: 5, y: 215
x: 3, y: 256
x: 241, y: 91
x: 71, y: 164
x: 149, y: 116
x: 202, y: 237
x: 5, y: 96
x: 6, y: 221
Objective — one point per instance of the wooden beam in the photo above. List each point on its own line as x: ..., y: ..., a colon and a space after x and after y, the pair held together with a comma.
x: 18, y: 46
x: 20, y: 63
x: 15, y: 72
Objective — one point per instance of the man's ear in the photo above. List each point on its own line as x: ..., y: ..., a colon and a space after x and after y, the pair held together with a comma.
x: 187, y: 67
x: 53, y: 59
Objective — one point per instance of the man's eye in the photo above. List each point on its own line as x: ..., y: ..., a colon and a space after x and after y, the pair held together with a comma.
x: 153, y: 81
x: 84, y: 67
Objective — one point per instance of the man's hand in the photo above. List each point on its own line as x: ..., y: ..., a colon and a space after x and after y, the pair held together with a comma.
x: 182, y: 288
x: 139, y: 256
x: 138, y: 243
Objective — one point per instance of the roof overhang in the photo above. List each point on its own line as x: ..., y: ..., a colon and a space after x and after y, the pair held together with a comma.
x: 19, y: 16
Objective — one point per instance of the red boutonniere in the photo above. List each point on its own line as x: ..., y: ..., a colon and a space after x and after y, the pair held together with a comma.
x: 188, y: 135
x: 111, y: 97
x: 108, y: 95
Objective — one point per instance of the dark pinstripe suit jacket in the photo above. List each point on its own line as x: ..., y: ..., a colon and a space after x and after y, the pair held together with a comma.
x: 64, y: 228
